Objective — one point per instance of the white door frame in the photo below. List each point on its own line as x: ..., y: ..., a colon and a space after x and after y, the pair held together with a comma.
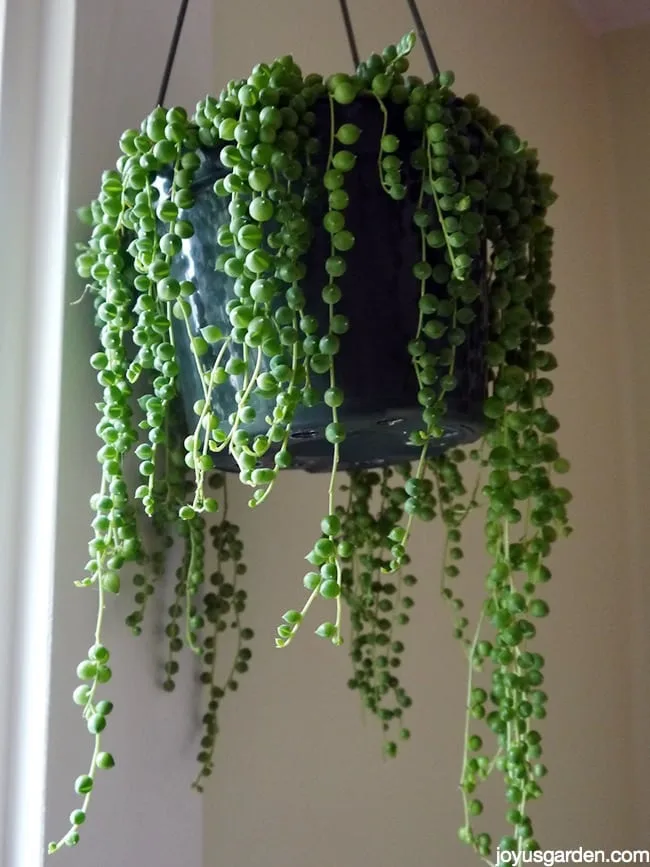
x: 36, y: 57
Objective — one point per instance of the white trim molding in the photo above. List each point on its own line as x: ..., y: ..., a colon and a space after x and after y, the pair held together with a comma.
x: 37, y: 54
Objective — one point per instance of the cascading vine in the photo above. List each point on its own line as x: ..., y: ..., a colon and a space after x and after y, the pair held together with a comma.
x: 484, y: 255
x: 378, y: 603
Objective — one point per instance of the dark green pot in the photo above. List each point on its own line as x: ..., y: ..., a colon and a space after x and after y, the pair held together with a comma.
x: 380, y: 299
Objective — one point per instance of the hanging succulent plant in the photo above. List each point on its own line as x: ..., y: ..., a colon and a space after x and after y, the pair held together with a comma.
x: 351, y: 273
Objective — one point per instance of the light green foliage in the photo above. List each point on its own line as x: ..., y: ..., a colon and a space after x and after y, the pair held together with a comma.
x: 480, y: 207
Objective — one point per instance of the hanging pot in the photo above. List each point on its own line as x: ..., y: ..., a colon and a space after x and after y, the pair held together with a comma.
x: 379, y: 297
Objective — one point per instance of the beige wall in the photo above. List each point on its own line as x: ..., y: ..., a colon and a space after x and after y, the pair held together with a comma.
x: 627, y: 60
x: 299, y: 778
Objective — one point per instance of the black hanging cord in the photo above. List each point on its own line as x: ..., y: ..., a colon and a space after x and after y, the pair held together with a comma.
x: 349, y: 32
x: 422, y: 36
x: 171, y: 56
x: 352, y: 42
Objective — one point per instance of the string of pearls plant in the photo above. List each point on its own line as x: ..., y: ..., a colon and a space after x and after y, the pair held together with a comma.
x: 480, y: 217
